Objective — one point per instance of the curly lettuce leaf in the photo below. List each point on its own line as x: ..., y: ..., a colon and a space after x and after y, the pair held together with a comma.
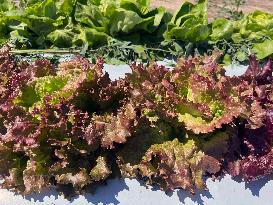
x: 131, y: 153
x: 195, y: 93
x: 56, y: 123
x: 177, y: 165
x: 257, y: 156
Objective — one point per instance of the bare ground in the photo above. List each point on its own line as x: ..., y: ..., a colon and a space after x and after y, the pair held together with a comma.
x: 251, y: 5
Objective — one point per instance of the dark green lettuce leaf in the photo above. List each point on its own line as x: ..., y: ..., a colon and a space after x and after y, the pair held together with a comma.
x: 189, y: 23
x: 62, y: 38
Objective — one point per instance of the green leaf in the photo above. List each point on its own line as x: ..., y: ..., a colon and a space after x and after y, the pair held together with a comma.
x: 28, y: 97
x: 6, y: 5
x: 189, y: 23
x: 190, y: 34
x: 46, y: 8
x: 141, y: 7
x: 92, y: 37
x: 241, y: 56
x: 62, y: 38
x: 227, y: 59
x: 49, y: 84
x: 67, y: 7
x: 221, y: 29
x: 36, y: 91
x: 152, y: 22
x: 123, y: 21
x: 141, y: 51
x: 90, y: 15
x: 264, y: 49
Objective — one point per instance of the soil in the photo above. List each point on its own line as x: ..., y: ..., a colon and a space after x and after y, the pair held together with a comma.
x: 250, y: 6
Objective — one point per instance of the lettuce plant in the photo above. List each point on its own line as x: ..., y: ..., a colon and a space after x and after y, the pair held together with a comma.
x: 57, y: 123
x: 131, y: 29
x: 68, y: 125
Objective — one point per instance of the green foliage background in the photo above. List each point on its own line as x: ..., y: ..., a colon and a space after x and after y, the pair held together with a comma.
x: 129, y: 29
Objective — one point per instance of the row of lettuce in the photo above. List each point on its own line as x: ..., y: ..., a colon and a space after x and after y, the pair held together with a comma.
x: 96, y: 23
x: 70, y: 126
